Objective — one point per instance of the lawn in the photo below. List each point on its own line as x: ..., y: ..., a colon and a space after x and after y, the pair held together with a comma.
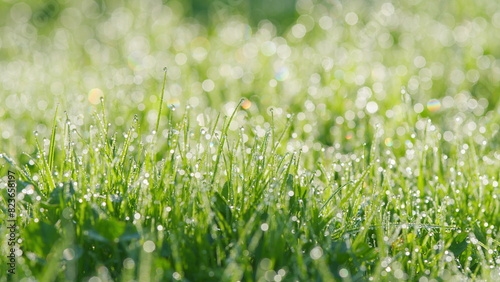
x: 294, y: 140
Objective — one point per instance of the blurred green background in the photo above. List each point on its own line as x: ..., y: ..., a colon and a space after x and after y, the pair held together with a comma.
x: 331, y: 63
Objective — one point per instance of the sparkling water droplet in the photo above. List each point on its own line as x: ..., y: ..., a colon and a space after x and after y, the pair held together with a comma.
x: 165, y: 69
x: 35, y: 133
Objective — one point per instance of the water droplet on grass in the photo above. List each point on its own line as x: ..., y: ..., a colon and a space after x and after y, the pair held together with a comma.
x: 316, y: 253
x: 149, y: 246
x: 69, y: 254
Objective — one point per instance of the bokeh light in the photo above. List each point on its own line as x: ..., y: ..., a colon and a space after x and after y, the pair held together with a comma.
x: 246, y: 104
x: 337, y: 66
x: 282, y: 74
x: 95, y: 96
x: 388, y: 142
x: 433, y: 105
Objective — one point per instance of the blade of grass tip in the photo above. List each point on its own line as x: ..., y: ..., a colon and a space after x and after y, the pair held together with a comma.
x: 170, y: 131
x: 52, y: 145
x: 103, y: 135
x: 285, y: 130
x: 24, y: 173
x: 423, y: 155
x: 297, y: 161
x: 333, y: 195
x: 105, y: 129
x: 358, y: 184
x: 212, y: 132
x: 287, y: 173
x: 185, y: 125
x: 66, y: 142
x: 272, y: 127
x: 128, y: 141
x: 103, y: 113
x: 322, y: 169
x: 168, y: 164
x: 219, y: 152
x: 45, y: 166
x: 223, y: 138
x: 161, y: 99
x: 232, y: 116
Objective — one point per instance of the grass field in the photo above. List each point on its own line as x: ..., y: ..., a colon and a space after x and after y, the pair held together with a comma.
x: 209, y: 141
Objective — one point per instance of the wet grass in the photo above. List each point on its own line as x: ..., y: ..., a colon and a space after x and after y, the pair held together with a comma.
x: 214, y: 203
x: 359, y: 144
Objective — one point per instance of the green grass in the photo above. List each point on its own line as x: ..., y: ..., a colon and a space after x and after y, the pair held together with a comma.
x: 215, y: 205
x: 325, y: 159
